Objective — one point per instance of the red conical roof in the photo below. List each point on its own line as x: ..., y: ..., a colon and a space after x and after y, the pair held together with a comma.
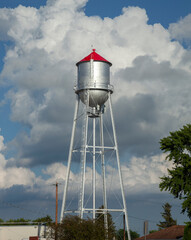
x: 94, y: 56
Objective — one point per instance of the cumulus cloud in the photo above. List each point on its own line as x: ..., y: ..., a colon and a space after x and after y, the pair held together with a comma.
x: 10, y: 176
x: 154, y: 99
x: 143, y: 174
x: 150, y: 73
x: 138, y: 174
x: 181, y: 30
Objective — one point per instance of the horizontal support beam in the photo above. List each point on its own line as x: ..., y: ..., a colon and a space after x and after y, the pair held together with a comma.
x: 88, y: 210
x: 102, y: 147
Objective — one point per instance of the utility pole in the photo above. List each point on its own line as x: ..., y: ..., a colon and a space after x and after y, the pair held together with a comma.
x: 56, y: 215
x: 56, y: 210
x: 145, y: 229
x: 123, y: 226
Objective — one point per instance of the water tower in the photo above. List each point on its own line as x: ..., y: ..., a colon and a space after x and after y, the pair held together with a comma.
x: 93, y: 90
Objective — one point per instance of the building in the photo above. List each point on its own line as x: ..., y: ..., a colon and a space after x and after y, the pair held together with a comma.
x: 171, y: 233
x: 22, y: 232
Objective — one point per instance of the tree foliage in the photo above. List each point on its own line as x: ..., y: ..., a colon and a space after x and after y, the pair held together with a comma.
x: 169, y: 221
x: 23, y: 221
x: 187, y: 231
x: 46, y: 219
x: 18, y: 221
x: 99, y: 225
x: 73, y: 227
x: 177, y: 182
x: 152, y: 231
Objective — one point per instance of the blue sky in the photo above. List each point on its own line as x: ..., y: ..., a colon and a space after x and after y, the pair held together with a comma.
x: 149, y: 45
x: 13, y: 4
x: 163, y: 12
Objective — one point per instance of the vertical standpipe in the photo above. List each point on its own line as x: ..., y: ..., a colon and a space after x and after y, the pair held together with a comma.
x: 93, y: 90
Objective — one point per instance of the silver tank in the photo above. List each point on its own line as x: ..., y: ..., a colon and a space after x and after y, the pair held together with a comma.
x: 93, y: 79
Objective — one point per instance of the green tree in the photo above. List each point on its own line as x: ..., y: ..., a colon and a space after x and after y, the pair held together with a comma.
x: 1, y: 221
x: 73, y: 227
x: 76, y: 228
x: 177, y: 182
x: 120, y: 234
x: 169, y: 221
x: 22, y: 221
x: 187, y: 231
x: 99, y: 225
x: 152, y: 231
x: 18, y: 221
x: 46, y: 219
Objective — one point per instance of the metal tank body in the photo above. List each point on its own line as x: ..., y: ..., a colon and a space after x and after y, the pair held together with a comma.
x: 93, y: 79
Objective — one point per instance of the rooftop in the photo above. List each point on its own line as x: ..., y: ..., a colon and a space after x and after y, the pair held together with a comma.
x: 171, y: 233
x: 95, y: 56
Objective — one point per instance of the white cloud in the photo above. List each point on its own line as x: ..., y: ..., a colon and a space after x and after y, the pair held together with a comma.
x: 17, y: 176
x: 73, y: 5
x: 2, y: 146
x: 140, y: 174
x: 56, y: 172
x: 10, y: 176
x: 151, y: 75
x: 181, y: 30
x: 143, y: 174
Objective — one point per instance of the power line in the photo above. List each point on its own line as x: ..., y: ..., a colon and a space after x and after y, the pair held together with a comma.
x: 155, y: 202
x: 21, y: 208
x: 142, y: 219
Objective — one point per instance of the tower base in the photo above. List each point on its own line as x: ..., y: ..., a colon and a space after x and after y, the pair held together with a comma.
x: 93, y: 153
